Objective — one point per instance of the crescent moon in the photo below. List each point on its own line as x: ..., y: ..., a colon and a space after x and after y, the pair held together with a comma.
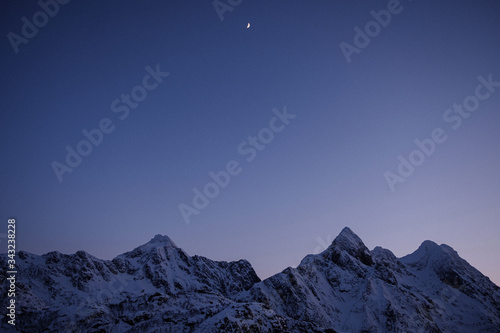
x: 248, y: 25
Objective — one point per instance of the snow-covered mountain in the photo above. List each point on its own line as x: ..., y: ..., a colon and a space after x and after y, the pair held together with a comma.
x: 157, y: 287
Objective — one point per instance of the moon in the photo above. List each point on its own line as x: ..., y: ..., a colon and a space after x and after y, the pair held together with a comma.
x: 248, y: 25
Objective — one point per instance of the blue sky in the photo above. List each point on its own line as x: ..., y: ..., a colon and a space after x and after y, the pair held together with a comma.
x: 323, y: 171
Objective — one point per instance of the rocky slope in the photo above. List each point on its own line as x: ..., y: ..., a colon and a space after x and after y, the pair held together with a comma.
x: 157, y: 287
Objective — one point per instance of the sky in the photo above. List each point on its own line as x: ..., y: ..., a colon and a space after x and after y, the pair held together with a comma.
x: 307, y: 120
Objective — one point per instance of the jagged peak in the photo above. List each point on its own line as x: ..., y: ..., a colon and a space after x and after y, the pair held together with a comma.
x: 158, y: 241
x: 348, y: 239
x: 163, y: 240
x: 347, y: 231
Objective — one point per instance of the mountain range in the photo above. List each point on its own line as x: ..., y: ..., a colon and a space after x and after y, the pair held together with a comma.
x: 157, y: 287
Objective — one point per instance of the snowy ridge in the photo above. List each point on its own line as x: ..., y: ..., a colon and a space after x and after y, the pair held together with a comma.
x: 157, y: 287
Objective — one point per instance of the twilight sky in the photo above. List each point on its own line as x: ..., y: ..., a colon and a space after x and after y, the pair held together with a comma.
x: 310, y: 131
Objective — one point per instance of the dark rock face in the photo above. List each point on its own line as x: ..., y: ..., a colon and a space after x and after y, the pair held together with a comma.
x: 157, y: 287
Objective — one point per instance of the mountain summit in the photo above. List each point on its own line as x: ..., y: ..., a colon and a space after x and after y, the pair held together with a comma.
x: 162, y: 239
x: 348, y: 238
x: 346, y: 246
x: 346, y: 288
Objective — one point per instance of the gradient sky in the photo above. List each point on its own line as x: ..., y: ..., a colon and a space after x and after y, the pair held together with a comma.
x: 324, y: 171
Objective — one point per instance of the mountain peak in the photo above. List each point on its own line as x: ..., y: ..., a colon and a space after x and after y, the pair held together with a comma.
x: 428, y: 245
x: 347, y: 231
x: 429, y: 249
x: 349, y: 242
x: 155, y: 242
x: 162, y: 240
x: 347, y: 238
